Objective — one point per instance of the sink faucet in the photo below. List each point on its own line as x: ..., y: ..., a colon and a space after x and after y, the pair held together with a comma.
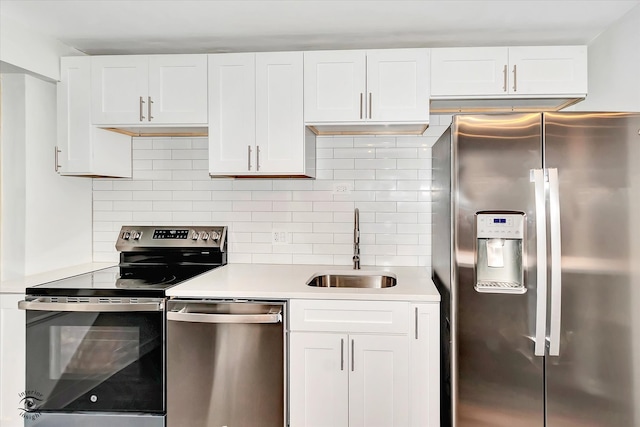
x: 356, y: 239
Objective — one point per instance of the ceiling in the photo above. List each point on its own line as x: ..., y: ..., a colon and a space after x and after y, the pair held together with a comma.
x: 148, y: 26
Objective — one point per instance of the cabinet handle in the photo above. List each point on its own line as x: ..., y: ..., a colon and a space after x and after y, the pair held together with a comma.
x: 361, y: 97
x: 353, y: 360
x: 369, y: 104
x: 416, y: 320
x: 515, y: 77
x: 249, y: 157
x: 504, y: 73
x: 55, y: 156
x: 141, y: 109
x: 257, y: 158
x: 342, y: 354
x: 149, y: 108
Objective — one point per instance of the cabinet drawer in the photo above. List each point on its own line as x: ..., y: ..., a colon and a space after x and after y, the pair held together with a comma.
x: 349, y: 316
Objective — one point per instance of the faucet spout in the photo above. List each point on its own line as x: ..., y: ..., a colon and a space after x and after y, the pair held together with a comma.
x: 356, y: 239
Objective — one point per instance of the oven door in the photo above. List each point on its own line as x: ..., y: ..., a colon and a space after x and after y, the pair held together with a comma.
x: 95, y: 356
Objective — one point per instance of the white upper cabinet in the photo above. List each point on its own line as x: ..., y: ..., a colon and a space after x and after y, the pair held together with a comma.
x: 366, y: 86
x: 83, y: 149
x: 514, y: 71
x: 149, y: 89
x: 256, y: 125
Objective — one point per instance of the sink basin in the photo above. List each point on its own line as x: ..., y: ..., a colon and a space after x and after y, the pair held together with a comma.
x: 352, y: 279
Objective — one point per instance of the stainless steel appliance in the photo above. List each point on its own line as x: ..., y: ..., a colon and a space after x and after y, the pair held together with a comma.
x: 536, y: 252
x: 95, y: 344
x: 226, y: 364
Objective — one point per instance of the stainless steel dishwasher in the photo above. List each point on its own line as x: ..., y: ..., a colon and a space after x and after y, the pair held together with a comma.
x: 226, y: 363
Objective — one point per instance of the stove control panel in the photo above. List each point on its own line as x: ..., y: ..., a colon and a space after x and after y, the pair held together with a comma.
x: 132, y: 238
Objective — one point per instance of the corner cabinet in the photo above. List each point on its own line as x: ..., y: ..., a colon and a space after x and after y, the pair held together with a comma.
x: 83, y: 149
x: 12, y: 359
x: 256, y: 125
x: 351, y: 363
x: 149, y: 89
x: 366, y: 87
x: 508, y: 72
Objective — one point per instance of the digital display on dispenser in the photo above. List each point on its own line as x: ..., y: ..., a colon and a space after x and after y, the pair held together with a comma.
x: 499, y: 220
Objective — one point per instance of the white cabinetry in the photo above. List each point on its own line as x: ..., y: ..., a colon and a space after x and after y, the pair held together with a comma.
x: 534, y: 72
x: 83, y: 149
x: 350, y: 365
x: 366, y: 87
x: 149, y: 89
x: 256, y: 125
x: 12, y: 359
x: 424, y: 365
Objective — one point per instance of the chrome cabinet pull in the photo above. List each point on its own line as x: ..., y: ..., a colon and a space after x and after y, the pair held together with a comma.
x: 353, y: 359
x: 55, y: 156
x: 257, y: 158
x: 504, y: 73
x: 361, y: 97
x: 249, y: 157
x: 141, y: 109
x: 369, y: 104
x: 149, y: 108
x: 515, y: 77
x: 342, y: 354
x: 416, y: 320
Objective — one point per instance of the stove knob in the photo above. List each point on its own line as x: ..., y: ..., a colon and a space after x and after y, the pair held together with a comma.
x: 126, y: 235
x: 205, y: 236
x: 195, y: 235
x: 215, y: 235
x: 136, y: 235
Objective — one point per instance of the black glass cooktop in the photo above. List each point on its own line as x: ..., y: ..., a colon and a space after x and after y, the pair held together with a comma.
x: 117, y: 282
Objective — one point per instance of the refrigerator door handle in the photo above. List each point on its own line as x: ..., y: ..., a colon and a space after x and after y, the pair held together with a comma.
x: 556, y: 267
x: 537, y: 177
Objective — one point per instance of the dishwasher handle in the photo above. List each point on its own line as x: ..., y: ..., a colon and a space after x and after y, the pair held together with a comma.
x: 273, y: 316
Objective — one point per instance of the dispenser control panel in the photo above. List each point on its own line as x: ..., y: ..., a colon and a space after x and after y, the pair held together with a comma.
x: 500, y: 226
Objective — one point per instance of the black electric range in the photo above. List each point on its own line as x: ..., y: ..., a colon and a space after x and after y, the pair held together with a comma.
x: 152, y: 259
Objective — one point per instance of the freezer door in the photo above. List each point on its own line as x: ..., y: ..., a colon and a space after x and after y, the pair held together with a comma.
x: 595, y: 380
x: 498, y: 380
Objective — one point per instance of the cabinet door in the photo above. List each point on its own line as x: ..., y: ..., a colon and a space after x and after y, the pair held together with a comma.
x: 378, y: 381
x: 397, y: 85
x: 12, y: 359
x: 334, y: 86
x: 548, y: 70
x: 83, y: 149
x: 177, y: 89
x: 318, y: 380
x: 469, y: 71
x: 119, y: 89
x: 279, y: 113
x: 424, y: 363
x: 232, y: 110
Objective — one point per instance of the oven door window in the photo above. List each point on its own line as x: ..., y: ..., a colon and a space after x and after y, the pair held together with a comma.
x: 78, y: 361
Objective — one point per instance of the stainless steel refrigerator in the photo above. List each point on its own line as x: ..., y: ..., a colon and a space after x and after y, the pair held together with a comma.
x: 536, y: 252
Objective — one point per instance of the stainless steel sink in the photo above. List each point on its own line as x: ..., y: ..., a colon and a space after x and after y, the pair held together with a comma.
x: 352, y: 279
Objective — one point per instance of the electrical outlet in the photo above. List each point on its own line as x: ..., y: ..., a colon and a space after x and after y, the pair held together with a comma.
x: 341, y: 188
x: 279, y: 237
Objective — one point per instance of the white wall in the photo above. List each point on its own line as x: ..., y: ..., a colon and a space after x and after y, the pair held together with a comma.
x: 30, y: 51
x: 46, y: 219
x: 389, y: 178
x: 614, y: 67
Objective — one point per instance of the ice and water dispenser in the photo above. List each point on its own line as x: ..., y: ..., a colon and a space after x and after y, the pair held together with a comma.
x: 499, y: 252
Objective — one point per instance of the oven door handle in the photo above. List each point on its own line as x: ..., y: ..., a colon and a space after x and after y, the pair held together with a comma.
x: 89, y: 307
x: 271, y: 317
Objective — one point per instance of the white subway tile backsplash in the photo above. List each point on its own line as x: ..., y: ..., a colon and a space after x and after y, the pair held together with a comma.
x: 387, y: 177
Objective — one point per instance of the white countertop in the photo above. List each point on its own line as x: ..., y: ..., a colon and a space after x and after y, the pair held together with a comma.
x: 275, y: 281
x: 17, y: 286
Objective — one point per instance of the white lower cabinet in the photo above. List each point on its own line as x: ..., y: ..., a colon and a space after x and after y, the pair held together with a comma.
x: 352, y: 363
x: 12, y: 359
